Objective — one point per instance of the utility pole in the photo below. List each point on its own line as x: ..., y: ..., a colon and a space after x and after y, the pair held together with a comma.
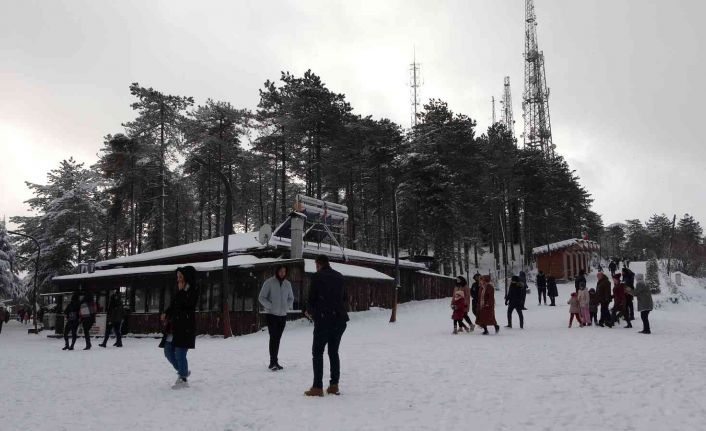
x: 414, y: 84
x: 535, y: 102
x: 671, y: 241
x: 227, y: 231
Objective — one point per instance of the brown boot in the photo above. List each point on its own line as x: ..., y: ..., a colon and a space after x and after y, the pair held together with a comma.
x: 333, y: 390
x: 314, y: 392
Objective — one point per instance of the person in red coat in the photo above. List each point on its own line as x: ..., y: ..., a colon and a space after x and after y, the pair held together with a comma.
x: 458, y: 305
x: 485, y: 315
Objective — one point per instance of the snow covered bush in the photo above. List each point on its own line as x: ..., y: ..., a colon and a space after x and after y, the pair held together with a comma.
x: 652, y: 276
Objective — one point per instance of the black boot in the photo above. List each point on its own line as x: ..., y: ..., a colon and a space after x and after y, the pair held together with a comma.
x: 497, y: 329
x: 66, y: 347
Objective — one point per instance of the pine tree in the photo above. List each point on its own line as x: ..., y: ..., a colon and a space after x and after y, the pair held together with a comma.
x: 158, y: 124
x: 10, y: 284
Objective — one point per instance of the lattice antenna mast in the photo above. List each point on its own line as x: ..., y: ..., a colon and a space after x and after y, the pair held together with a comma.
x: 535, y: 102
x: 506, y: 118
x: 415, y: 81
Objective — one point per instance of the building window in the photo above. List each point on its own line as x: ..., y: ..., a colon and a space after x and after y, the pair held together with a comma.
x: 204, y: 297
x: 140, y: 299
x: 215, y: 295
x: 154, y: 300
x: 167, y: 296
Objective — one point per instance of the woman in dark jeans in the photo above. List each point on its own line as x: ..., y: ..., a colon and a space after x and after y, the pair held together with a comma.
x: 644, y: 302
x: 71, y: 321
x: 180, y: 324
x: 87, y: 312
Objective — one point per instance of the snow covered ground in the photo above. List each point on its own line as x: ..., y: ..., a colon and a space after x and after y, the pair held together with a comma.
x: 409, y: 375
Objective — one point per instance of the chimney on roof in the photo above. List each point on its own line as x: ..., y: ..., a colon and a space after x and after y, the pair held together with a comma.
x: 91, y: 266
x: 297, y: 229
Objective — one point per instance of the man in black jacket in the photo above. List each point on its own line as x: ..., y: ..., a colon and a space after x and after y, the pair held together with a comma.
x: 327, y: 308
x: 474, y: 293
x: 514, y: 299
x: 542, y: 287
x: 114, y: 320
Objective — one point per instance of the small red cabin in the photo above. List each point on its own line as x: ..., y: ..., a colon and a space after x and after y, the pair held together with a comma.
x: 564, y: 259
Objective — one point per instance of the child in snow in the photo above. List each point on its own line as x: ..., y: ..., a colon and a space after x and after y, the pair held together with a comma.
x: 593, y: 305
x: 458, y: 305
x: 574, y: 309
x: 584, y: 301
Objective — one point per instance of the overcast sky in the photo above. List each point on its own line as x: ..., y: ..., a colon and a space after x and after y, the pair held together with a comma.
x: 626, y: 98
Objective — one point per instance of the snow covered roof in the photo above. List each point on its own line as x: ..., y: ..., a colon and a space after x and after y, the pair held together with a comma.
x: 584, y: 244
x: 435, y: 274
x: 247, y: 243
x: 349, y: 270
x: 240, y: 242
x: 241, y: 261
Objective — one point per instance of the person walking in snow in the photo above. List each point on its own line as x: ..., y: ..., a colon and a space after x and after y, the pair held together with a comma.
x: 604, y: 298
x: 514, y: 299
x: 542, y: 287
x: 277, y: 298
x: 644, y: 302
x: 574, y: 309
x: 593, y: 304
x: 179, y: 321
x: 3, y: 317
x: 458, y: 305
x: 114, y: 320
x: 619, y: 301
x: 584, y: 305
x: 486, y: 305
x: 462, y: 285
x: 523, y: 279
x: 612, y: 267
x: 580, y: 281
x: 328, y: 299
x: 87, y: 314
x: 474, y: 293
x: 71, y: 321
x: 629, y: 281
x: 552, y: 290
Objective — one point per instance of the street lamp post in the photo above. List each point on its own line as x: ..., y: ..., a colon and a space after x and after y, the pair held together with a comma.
x: 36, y: 272
x: 395, y: 222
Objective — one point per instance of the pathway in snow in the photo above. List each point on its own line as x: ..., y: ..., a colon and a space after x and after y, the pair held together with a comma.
x: 410, y: 375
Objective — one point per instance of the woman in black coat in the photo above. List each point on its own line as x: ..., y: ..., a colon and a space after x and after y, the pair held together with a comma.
x: 552, y: 290
x: 180, y: 324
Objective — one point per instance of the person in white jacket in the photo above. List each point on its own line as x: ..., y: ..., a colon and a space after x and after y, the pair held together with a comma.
x: 276, y: 298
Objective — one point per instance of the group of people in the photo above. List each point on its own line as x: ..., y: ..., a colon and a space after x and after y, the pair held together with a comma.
x: 478, y: 299
x: 626, y: 286
x: 584, y: 303
x: 81, y: 312
x: 326, y: 307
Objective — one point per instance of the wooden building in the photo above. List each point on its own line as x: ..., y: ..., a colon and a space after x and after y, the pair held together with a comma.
x: 564, y: 259
x: 146, y: 281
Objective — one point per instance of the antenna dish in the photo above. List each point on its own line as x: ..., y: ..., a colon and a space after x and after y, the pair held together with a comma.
x: 265, y: 233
